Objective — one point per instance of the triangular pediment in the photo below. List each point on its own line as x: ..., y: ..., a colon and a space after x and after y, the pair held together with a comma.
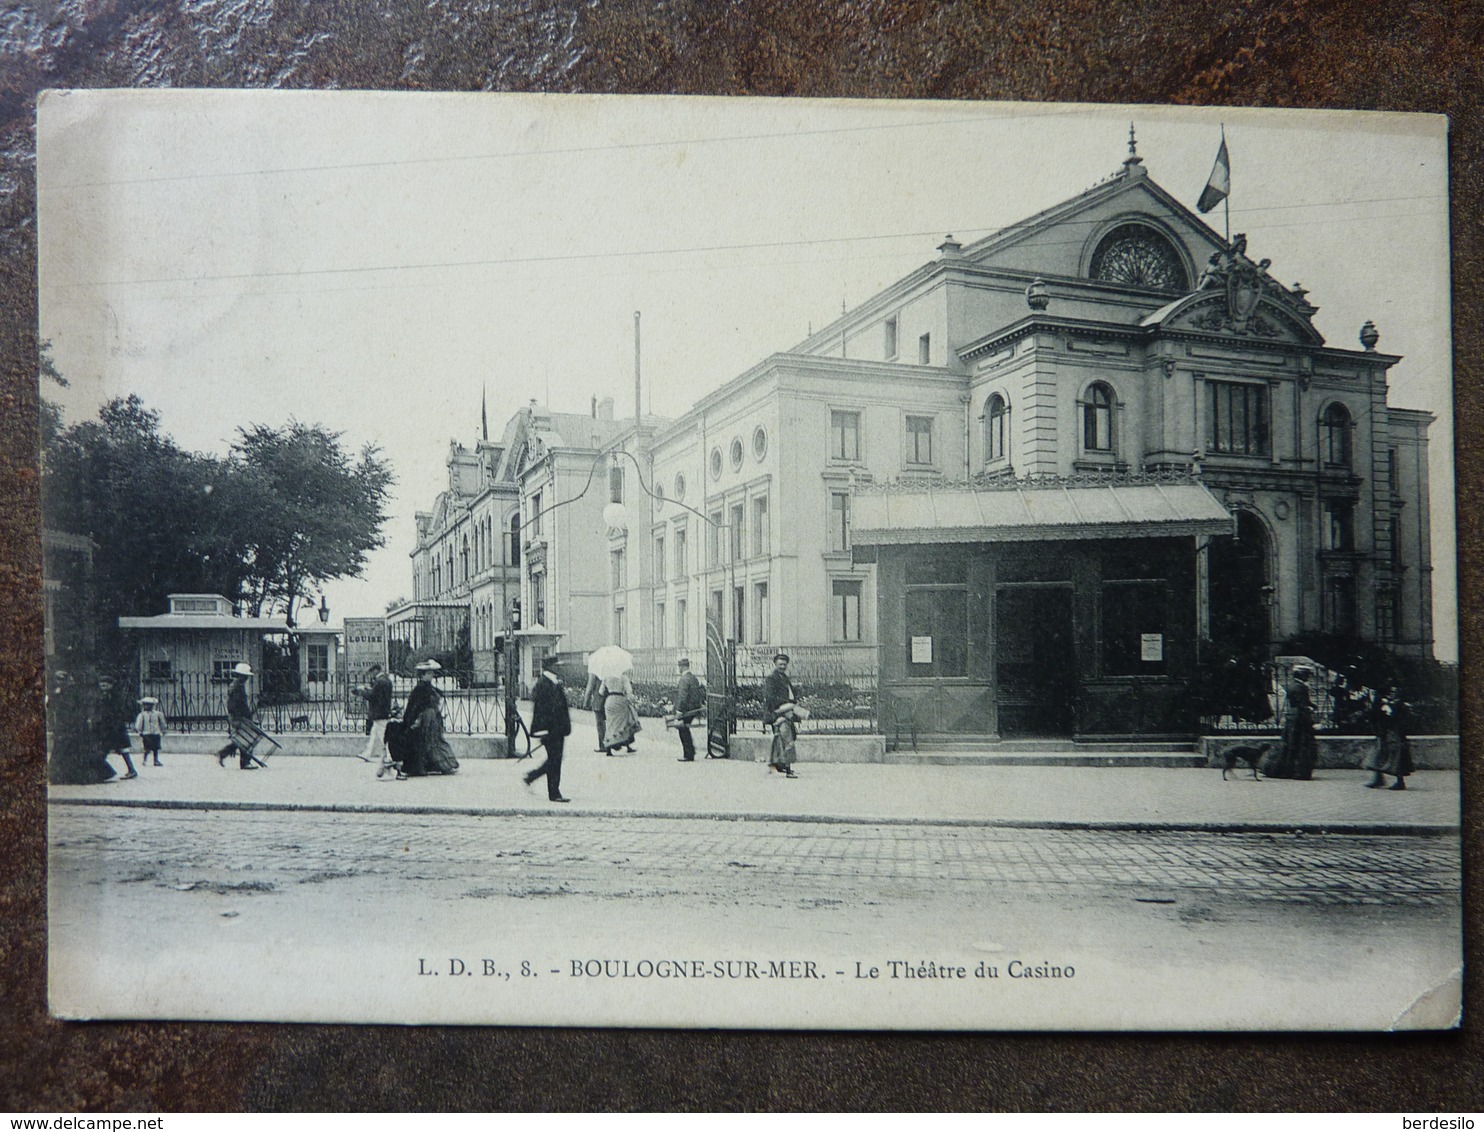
x: 1124, y: 231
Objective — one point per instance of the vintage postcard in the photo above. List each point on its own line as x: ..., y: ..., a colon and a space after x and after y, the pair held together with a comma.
x: 748, y: 563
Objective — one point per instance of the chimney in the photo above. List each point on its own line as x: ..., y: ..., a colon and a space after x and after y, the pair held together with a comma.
x: 595, y: 406
x: 605, y: 409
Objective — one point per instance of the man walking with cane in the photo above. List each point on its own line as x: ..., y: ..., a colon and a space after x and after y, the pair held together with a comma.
x: 551, y: 723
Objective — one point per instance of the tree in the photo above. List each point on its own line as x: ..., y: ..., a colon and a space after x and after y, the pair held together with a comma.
x: 149, y: 508
x: 308, y: 511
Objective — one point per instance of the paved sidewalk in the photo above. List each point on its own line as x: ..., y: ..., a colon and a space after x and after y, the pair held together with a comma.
x: 653, y: 783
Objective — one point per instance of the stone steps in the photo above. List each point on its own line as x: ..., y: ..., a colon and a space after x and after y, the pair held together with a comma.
x: 937, y: 750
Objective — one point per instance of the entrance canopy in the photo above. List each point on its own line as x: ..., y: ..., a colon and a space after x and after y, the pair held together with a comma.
x: 909, y: 514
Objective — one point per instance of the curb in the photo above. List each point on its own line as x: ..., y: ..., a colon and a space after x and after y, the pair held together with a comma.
x: 1344, y: 828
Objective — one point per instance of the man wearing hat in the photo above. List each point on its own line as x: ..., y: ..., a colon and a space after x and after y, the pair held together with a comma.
x: 688, y: 704
x: 239, y: 715
x: 780, y: 704
x: 551, y: 723
x: 150, y: 723
x: 378, y: 696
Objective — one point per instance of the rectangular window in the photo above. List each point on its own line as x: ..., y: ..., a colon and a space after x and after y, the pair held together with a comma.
x: 713, y: 539
x: 735, y: 534
x: 535, y: 520
x: 1394, y: 531
x: 158, y: 670
x: 1339, y: 525
x: 760, y: 526
x: 845, y: 435
x: 317, y: 663
x: 845, y: 611
x: 538, y: 594
x: 839, y: 521
x: 1239, y: 418
x: 615, y: 483
x: 681, y: 635
x: 1134, y: 627
x: 659, y: 559
x: 739, y: 608
x: 891, y: 337
x: 920, y: 440
x: 717, y: 610
x: 925, y: 350
x: 1339, y: 606
x: 221, y: 671
x: 680, y: 557
x: 618, y: 625
x: 619, y: 576
x: 1392, y: 470
x: 760, y: 627
x: 659, y: 625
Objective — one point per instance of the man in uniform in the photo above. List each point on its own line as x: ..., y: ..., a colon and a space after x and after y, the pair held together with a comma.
x: 688, y: 704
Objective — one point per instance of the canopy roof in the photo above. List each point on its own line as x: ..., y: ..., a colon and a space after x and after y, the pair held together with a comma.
x: 906, y: 514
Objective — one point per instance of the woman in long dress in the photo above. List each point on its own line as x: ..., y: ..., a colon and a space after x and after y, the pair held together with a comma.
x: 1299, y: 752
x: 420, y: 741
x: 1392, y: 753
x: 620, y: 720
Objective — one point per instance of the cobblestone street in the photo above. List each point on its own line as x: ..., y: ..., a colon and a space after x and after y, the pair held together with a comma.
x: 313, y: 914
x: 651, y: 857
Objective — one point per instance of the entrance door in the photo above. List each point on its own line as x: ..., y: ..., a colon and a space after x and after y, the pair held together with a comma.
x: 1035, y: 660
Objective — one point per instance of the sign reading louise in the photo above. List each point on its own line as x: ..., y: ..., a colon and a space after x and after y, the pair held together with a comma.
x: 365, y: 643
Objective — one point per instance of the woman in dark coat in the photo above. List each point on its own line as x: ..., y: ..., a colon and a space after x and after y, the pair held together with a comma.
x: 1392, y: 753
x: 422, y: 746
x: 76, y: 758
x: 1296, y: 757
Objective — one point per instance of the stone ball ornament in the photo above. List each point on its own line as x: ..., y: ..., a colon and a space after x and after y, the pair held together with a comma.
x: 1037, y: 295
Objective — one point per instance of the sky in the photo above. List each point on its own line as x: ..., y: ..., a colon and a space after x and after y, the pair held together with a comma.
x: 380, y: 262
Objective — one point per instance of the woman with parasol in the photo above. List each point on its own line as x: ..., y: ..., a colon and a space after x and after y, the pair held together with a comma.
x: 611, y: 665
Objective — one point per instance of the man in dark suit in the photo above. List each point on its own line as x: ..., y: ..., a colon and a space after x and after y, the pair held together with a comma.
x: 688, y: 704
x: 551, y: 724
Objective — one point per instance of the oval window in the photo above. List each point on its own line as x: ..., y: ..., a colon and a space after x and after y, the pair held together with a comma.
x: 759, y: 442
x: 716, y: 463
x: 736, y: 452
x: 679, y: 487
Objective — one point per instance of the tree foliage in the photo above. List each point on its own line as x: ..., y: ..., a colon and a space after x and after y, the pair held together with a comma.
x: 310, y: 511
x: 286, y: 511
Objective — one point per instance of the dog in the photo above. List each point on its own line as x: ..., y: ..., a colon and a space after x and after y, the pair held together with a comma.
x: 298, y: 723
x: 1249, y: 755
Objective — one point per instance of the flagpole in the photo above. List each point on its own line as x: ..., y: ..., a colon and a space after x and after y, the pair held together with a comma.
x: 1226, y: 201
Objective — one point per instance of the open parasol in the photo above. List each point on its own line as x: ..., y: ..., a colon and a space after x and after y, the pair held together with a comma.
x: 609, y: 662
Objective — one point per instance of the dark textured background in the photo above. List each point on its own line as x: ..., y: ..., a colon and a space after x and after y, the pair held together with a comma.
x: 1339, y: 53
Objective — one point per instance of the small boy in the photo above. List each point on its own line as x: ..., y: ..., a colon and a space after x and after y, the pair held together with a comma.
x: 150, y: 723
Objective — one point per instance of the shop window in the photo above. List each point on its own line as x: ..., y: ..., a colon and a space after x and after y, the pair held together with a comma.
x: 1133, y: 620
x: 1239, y: 418
x: 937, y: 631
x: 845, y: 611
x: 845, y: 435
x: 1097, y: 419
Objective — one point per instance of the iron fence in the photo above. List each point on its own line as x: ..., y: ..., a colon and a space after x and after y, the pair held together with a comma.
x: 194, y: 702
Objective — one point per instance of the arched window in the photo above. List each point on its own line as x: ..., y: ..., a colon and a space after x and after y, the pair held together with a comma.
x: 1335, y: 435
x: 464, y: 557
x: 1097, y: 419
x: 996, y: 425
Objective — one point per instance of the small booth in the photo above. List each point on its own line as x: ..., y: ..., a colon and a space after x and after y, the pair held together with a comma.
x: 1025, y: 609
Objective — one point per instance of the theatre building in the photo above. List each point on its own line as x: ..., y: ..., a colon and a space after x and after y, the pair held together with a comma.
x: 1162, y: 462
